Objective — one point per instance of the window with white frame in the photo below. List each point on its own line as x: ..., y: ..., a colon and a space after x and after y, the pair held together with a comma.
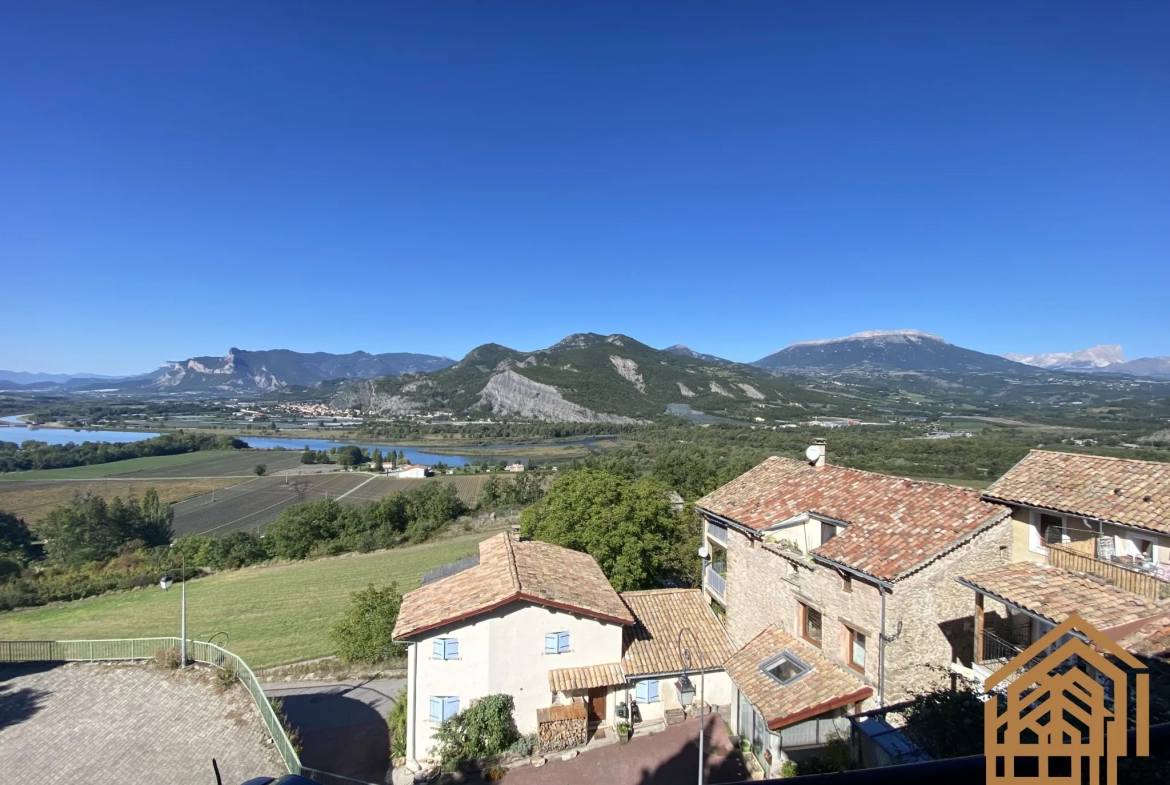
x: 443, y: 707
x: 646, y: 691
x: 445, y: 649
x: 556, y: 643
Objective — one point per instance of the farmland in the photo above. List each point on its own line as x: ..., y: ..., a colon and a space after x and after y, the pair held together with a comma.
x: 254, y: 504
x: 272, y: 614
x: 208, y: 463
x: 467, y: 486
x: 33, y: 500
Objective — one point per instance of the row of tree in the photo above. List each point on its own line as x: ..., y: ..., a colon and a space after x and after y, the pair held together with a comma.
x: 33, y: 454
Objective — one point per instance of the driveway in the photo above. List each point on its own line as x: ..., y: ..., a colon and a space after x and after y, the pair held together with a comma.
x: 665, y: 758
x: 342, y: 723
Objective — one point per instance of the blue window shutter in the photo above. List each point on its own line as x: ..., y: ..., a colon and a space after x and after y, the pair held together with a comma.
x: 562, y: 641
x: 550, y: 643
x: 450, y: 707
x: 436, y: 709
x: 437, y: 649
x: 640, y: 692
x: 652, y: 691
x: 452, y: 651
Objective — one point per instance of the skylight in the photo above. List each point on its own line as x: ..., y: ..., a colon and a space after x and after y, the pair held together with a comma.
x: 785, y: 668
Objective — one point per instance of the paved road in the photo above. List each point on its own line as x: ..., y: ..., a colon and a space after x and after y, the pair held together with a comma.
x: 342, y: 723
x: 101, y: 723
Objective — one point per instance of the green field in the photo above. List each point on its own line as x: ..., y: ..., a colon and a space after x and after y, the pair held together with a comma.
x: 273, y: 615
x: 207, y: 463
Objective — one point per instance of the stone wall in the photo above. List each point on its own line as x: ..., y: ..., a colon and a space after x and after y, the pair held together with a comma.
x: 937, y: 615
x: 759, y: 592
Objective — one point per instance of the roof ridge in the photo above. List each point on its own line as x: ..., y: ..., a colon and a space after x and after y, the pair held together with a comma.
x: 513, y: 573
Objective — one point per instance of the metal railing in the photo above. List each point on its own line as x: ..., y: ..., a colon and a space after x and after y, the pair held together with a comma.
x: 123, y: 649
x: 716, y: 582
x: 717, y: 532
x: 814, y: 733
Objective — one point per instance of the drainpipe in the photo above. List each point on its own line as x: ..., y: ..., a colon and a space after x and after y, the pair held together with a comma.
x: 412, y: 701
x: 882, y: 654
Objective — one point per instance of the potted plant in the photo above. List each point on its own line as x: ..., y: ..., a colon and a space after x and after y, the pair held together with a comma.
x: 624, y: 732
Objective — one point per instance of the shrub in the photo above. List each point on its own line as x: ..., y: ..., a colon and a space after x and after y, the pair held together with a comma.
x: 788, y: 769
x: 946, y: 723
x: 495, y: 773
x: 487, y: 728
x: 526, y: 744
x: 364, y: 634
x: 226, y: 677
x: 260, y: 469
x: 167, y: 658
x: 397, y: 723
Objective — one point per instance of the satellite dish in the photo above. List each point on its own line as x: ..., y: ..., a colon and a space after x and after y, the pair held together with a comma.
x: 703, y: 552
x: 813, y: 453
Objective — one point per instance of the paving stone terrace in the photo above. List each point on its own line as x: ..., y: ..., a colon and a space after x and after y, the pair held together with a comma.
x: 124, y: 723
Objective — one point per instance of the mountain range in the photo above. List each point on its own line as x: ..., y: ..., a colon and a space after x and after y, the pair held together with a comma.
x: 1103, y: 358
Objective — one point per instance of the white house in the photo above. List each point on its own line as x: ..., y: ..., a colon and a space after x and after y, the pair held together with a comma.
x: 535, y: 621
x: 541, y: 623
x: 410, y: 471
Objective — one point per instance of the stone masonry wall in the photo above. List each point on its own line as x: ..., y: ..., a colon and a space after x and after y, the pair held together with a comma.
x: 937, y: 614
x: 758, y: 595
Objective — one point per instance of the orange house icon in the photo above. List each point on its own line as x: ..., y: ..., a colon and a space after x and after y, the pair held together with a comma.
x: 1068, y: 712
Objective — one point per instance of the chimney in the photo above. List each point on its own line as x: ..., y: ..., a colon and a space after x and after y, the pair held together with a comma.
x: 516, y: 531
x: 816, y: 453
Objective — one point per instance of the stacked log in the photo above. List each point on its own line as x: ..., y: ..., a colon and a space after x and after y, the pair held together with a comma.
x: 562, y: 727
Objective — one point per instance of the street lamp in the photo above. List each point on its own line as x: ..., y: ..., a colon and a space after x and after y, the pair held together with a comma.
x: 166, y: 582
x: 686, y: 689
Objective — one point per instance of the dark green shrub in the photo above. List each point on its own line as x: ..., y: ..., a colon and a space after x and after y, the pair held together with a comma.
x: 364, y: 634
x: 487, y: 728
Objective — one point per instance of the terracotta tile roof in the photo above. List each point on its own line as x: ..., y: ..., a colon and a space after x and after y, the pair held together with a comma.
x: 1055, y: 594
x: 1089, y: 485
x: 651, y: 644
x: 896, y: 525
x: 825, y: 687
x: 511, y: 570
x: 565, y: 679
x: 1150, y: 640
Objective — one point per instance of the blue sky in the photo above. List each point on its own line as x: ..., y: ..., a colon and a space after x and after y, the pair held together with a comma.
x: 431, y: 176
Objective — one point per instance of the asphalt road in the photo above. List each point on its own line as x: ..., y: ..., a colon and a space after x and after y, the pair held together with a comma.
x: 342, y: 723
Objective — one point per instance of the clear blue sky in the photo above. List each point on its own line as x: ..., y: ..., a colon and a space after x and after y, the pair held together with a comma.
x: 431, y: 176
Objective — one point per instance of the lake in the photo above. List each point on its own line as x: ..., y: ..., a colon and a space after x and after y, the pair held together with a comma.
x: 20, y: 433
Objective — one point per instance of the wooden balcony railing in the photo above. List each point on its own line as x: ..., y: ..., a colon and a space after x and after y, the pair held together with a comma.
x: 1127, y: 578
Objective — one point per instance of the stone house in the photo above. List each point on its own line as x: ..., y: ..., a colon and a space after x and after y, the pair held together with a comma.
x: 860, y: 566
x: 541, y: 623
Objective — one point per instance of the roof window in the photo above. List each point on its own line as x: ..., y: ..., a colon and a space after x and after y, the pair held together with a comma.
x: 785, y: 667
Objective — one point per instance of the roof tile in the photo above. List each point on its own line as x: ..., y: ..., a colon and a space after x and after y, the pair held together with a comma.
x: 651, y: 644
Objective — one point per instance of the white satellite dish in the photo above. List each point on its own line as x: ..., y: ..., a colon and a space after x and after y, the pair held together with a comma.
x: 813, y: 453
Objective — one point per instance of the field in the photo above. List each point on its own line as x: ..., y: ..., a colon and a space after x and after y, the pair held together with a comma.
x: 467, y: 486
x: 273, y: 615
x: 254, y: 504
x: 208, y: 463
x: 33, y: 500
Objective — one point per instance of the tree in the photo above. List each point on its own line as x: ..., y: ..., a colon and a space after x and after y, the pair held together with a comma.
x: 364, y: 634
x: 15, y: 538
x: 308, y: 456
x: 156, y: 518
x: 299, y: 527
x: 376, y: 461
x: 628, y: 527
x: 90, y: 529
x: 350, y: 455
x: 946, y: 723
x: 260, y: 469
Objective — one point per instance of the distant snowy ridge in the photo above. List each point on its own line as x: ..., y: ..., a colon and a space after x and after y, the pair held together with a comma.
x: 1098, y: 356
x: 892, y: 335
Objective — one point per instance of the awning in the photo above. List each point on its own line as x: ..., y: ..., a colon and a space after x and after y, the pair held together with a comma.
x: 566, y: 679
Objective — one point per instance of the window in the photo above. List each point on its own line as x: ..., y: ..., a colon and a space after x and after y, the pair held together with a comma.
x: 847, y: 583
x: 1145, y: 548
x: 443, y: 708
x: 828, y: 532
x: 445, y: 649
x: 811, y: 624
x: 1051, y: 529
x: 785, y: 668
x: 556, y: 643
x: 857, y: 643
x: 646, y: 691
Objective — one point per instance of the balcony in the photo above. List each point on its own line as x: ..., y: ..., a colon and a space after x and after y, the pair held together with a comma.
x: 995, y: 652
x: 715, y: 581
x: 1128, y: 573
x: 717, y: 533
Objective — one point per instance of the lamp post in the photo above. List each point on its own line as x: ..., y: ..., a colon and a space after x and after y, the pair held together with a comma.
x: 166, y: 582
x: 686, y: 690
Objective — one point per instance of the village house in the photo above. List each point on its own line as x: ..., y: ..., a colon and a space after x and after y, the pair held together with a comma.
x: 1090, y: 535
x: 859, y: 566
x: 409, y: 471
x: 514, y: 467
x: 541, y: 623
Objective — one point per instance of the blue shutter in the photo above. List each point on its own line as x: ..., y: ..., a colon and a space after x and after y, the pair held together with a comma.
x: 452, y: 648
x: 437, y: 649
x: 652, y: 691
x: 450, y: 707
x: 562, y: 641
x: 550, y: 643
x: 640, y: 692
x: 436, y: 709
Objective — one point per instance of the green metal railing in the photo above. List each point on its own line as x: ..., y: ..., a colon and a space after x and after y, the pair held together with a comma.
x: 127, y: 649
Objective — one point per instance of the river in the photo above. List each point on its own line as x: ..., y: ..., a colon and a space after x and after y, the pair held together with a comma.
x: 19, y: 432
